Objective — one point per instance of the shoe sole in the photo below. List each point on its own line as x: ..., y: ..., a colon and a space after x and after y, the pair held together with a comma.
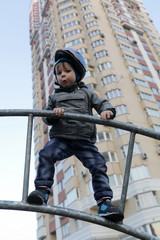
x: 116, y: 217
x: 35, y: 199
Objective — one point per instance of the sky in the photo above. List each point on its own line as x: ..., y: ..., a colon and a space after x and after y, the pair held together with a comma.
x: 16, y: 93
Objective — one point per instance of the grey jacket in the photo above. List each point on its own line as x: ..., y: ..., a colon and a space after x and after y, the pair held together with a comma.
x: 75, y: 99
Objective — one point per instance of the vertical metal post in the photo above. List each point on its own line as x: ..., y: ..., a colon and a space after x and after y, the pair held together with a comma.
x: 27, y: 158
x: 127, y: 171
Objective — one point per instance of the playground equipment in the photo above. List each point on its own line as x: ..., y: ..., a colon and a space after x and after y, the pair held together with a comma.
x: 24, y: 206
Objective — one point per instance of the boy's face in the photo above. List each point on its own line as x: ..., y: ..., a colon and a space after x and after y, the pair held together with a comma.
x: 65, y: 74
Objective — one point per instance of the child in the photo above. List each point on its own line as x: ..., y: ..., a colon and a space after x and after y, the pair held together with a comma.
x: 72, y: 137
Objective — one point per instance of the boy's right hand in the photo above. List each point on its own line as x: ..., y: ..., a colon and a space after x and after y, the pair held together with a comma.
x: 58, y: 111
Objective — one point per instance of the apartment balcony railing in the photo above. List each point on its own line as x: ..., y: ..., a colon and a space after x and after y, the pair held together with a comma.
x: 48, y: 209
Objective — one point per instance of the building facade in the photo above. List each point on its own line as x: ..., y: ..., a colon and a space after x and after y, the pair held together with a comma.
x: 122, y: 51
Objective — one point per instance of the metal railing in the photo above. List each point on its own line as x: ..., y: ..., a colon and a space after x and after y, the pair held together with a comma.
x: 24, y: 206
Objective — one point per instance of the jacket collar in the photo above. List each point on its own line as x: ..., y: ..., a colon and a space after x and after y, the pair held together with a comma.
x: 71, y: 88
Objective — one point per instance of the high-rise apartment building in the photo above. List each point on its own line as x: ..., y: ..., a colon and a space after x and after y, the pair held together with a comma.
x: 122, y: 51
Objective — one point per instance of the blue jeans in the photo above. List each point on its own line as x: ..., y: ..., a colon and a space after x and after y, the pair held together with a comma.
x: 58, y: 149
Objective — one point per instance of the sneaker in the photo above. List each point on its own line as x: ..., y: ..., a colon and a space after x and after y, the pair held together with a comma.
x: 38, y: 197
x: 107, y: 210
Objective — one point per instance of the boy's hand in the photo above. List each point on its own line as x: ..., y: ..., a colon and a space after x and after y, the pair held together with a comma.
x: 106, y: 115
x: 58, y: 111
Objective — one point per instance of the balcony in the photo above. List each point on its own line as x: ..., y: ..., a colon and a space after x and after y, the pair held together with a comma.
x: 44, y: 8
x: 129, y: 26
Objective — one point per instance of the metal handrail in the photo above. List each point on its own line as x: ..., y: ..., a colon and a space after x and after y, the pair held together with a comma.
x: 133, y: 129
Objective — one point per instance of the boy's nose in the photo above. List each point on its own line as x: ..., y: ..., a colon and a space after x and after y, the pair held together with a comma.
x: 63, y: 73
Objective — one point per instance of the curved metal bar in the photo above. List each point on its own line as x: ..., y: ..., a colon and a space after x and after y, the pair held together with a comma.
x: 75, y: 214
x: 82, y: 117
x: 23, y: 206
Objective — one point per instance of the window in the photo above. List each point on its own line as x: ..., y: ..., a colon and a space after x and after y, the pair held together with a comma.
x: 134, y: 69
x: 40, y: 221
x: 148, y: 52
x: 121, y: 109
x: 152, y: 112
x: 61, y: 185
x: 100, y: 54
x: 88, y: 15
x: 158, y: 102
x: 71, y: 33
x: 151, y: 200
x: 153, y: 62
x: 152, y: 228
x: 153, y: 38
x: 84, y: 1
x: 113, y: 20
x: 104, y: 66
x: 59, y: 166
x: 70, y: 172
x: 82, y: 50
x: 72, y: 196
x: 68, y: 16
x: 110, y: 12
x: 146, y: 96
x: 74, y: 42
x: 130, y: 58
x: 86, y: 8
x: 70, y: 24
x: 124, y: 19
x: 144, y: 67
x: 156, y: 45
x: 136, y: 149
x: 64, y: 2
x: 156, y: 127
x: 125, y: 47
x: 79, y: 224
x: 97, y: 43
x: 138, y: 173
x: 109, y: 79
x: 147, y: 30
x: 89, y: 187
x: 144, y: 43
x: 139, y: 56
x: 158, y: 53
x: 103, y: 136
x: 140, y: 82
x: 113, y: 94
x: 89, y: 74
x: 66, y: 229
x: 91, y: 24
x: 94, y: 33
x: 66, y: 9
x: 117, y: 28
x: 110, y: 156
x: 121, y: 37
x: 135, y: 46
x: 121, y: 132
x: 92, y: 86
x: 149, y: 78
x: 115, y: 180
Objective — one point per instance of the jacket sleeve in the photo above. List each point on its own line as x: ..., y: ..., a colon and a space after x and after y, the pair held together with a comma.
x: 101, y: 104
x: 50, y: 106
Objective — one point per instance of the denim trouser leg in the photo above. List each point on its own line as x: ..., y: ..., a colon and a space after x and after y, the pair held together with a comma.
x: 53, y: 151
x: 58, y: 149
x: 88, y: 154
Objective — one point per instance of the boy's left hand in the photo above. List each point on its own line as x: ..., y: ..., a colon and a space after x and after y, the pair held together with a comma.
x: 106, y: 115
